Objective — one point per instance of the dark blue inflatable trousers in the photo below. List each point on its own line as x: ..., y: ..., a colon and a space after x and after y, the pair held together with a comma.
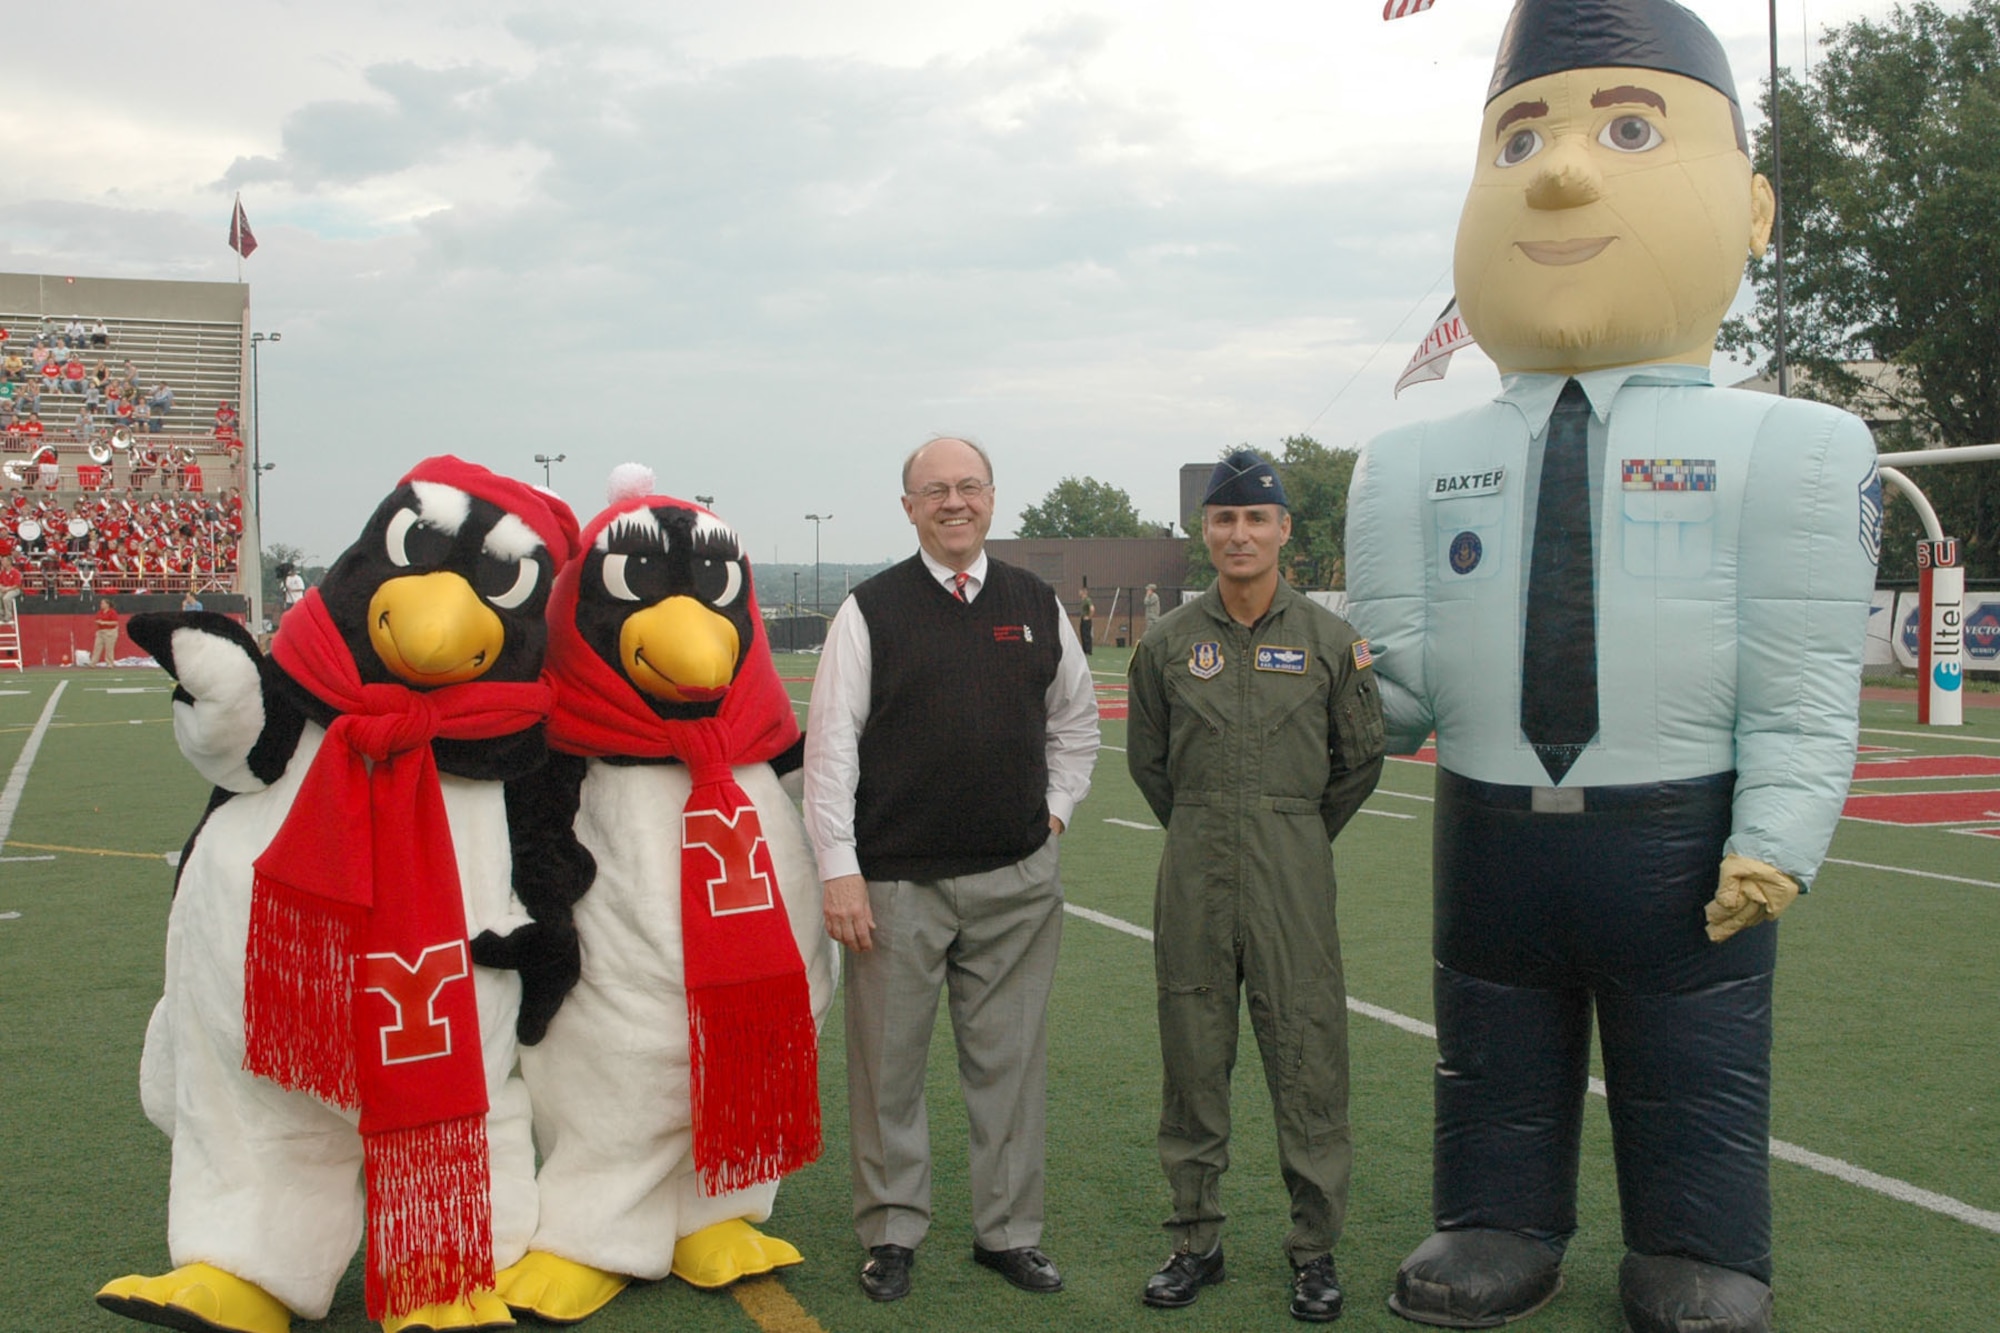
x: 1541, y: 916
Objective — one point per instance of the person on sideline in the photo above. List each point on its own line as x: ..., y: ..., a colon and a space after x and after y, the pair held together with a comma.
x: 1255, y: 734
x: 104, y: 647
x: 934, y: 808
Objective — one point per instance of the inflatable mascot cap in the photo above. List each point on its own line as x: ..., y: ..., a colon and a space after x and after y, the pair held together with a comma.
x: 1613, y: 205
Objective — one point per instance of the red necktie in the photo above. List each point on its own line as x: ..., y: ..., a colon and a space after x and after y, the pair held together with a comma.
x: 958, y: 582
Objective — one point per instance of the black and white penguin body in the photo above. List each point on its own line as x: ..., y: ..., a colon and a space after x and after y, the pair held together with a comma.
x: 267, y: 1204
x: 661, y: 615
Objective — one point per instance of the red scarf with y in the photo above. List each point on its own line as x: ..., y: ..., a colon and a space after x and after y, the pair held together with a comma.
x: 358, y: 980
x: 753, y: 1047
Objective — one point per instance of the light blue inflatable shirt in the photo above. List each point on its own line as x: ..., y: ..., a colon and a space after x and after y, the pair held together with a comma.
x: 1736, y: 537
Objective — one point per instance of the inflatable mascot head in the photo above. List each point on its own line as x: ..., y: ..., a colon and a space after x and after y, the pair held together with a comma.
x: 1613, y: 205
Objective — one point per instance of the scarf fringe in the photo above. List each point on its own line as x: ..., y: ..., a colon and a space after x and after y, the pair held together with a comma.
x: 755, y: 1076
x: 430, y: 1215
x: 298, y: 993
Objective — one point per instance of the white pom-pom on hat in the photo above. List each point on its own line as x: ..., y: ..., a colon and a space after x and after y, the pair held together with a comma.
x: 629, y: 481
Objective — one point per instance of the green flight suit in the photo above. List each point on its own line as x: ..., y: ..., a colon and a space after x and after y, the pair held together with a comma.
x: 1254, y: 746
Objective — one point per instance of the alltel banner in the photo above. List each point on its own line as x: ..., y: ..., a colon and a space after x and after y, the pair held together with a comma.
x: 1941, y: 654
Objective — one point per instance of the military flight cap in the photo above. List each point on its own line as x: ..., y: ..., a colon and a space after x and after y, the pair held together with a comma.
x: 1551, y: 36
x: 1244, y: 478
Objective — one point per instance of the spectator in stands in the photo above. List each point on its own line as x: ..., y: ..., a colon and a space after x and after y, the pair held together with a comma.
x: 51, y: 372
x: 84, y: 429
x: 7, y: 413
x: 158, y: 403
x: 13, y: 366
x: 38, y: 355
x: 100, y: 333
x: 100, y: 375
x: 75, y: 334
x: 10, y: 590
x: 74, y: 374
x: 31, y: 426
x: 104, y: 648
x: 190, y: 602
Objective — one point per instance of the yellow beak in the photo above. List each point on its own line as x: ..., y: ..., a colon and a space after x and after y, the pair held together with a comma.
x: 433, y: 629
x: 679, y: 650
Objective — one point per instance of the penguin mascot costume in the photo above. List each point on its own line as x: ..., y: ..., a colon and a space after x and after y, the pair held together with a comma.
x: 326, y: 1058
x: 679, y: 1079
x: 1673, y: 581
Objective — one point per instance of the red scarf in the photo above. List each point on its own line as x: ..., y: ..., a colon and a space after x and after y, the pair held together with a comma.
x: 358, y: 982
x: 753, y: 1048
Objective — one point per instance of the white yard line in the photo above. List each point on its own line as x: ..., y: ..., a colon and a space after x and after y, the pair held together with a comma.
x: 1920, y: 874
x: 1900, y: 1190
x: 1942, y: 734
x: 10, y: 795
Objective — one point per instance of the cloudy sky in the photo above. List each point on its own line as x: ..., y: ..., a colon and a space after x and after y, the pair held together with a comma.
x: 768, y: 247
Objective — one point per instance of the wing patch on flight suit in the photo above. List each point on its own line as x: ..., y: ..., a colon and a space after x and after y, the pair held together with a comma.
x: 1205, y: 662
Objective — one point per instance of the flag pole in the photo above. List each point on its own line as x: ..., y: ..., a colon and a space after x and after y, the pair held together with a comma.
x: 236, y: 213
x: 1778, y: 195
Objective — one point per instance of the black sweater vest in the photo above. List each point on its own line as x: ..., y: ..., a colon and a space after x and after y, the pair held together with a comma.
x: 954, y: 761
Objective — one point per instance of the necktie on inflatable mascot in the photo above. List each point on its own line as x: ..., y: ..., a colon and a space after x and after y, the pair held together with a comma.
x: 1680, y: 575
x: 326, y: 1057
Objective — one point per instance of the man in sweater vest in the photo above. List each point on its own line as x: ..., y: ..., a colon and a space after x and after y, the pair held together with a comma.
x: 953, y: 730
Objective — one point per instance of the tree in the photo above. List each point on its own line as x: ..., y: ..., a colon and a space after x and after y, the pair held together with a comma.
x: 1316, y: 479
x: 1083, y: 507
x: 1891, y: 185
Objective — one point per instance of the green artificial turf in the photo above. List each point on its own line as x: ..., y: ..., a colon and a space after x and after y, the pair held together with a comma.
x: 1885, y: 1059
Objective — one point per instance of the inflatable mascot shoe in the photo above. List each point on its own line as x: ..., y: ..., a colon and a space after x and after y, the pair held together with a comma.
x: 322, y: 1024
x: 1677, y: 579
x: 679, y: 1080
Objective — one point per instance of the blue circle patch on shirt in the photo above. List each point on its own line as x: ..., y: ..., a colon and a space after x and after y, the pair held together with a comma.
x: 1465, y: 552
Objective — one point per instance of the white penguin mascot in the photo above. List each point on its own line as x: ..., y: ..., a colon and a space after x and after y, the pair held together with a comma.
x: 678, y: 1081
x: 326, y: 1057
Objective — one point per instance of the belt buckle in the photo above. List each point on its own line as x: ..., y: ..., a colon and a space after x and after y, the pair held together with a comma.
x: 1556, y: 800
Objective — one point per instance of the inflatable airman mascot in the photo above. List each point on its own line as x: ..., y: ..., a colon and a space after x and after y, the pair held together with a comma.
x: 1680, y: 576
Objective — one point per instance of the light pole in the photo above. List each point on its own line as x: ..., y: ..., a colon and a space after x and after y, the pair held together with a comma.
x: 257, y: 470
x: 816, y: 520
x: 549, y: 461
x: 705, y: 501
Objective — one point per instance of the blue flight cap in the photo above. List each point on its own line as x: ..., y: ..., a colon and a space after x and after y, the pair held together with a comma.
x: 1551, y: 36
x: 1244, y: 478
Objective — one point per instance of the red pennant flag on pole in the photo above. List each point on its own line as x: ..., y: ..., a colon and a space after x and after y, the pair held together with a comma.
x: 240, y: 239
x: 1395, y: 9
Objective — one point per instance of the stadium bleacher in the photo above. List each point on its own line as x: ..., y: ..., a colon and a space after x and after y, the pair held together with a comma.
x: 145, y: 502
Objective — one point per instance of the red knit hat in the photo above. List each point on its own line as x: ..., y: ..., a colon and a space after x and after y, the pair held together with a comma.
x: 541, y: 510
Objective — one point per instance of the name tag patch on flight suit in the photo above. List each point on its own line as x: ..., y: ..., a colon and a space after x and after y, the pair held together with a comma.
x: 1292, y: 661
x: 1464, y: 553
x: 1206, y: 660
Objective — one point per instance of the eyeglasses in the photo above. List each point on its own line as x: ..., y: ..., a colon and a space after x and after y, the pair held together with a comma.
x: 969, y: 490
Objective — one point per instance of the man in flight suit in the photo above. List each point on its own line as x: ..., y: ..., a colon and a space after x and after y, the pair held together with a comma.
x: 1255, y: 735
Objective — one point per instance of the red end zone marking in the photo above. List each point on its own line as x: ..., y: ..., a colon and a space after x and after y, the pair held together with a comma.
x: 1115, y: 709
x: 1925, y: 808
x: 1929, y: 766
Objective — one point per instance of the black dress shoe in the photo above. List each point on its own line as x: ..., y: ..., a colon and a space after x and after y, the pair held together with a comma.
x: 886, y: 1275
x: 1316, y: 1294
x: 1024, y: 1266
x: 1476, y: 1278
x: 1181, y: 1278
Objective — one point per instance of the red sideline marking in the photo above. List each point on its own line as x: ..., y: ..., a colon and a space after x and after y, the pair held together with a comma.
x: 1113, y: 710
x: 1925, y: 808
x: 1929, y: 766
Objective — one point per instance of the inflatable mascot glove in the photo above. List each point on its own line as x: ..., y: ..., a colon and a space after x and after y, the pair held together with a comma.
x: 322, y: 1024
x: 679, y: 1080
x: 1681, y: 576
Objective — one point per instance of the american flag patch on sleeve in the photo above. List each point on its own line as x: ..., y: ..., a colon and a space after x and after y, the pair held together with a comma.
x: 1362, y: 657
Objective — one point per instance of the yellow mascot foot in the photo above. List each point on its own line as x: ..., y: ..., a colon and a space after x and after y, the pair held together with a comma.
x: 719, y: 1255
x: 482, y: 1309
x: 197, y: 1298
x: 557, y: 1290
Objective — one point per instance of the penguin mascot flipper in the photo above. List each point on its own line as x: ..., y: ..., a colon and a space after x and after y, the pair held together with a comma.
x: 704, y: 916
x: 552, y: 870
x: 355, y: 843
x: 233, y: 719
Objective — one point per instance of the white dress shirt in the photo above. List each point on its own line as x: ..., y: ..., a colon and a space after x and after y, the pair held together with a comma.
x: 840, y: 703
